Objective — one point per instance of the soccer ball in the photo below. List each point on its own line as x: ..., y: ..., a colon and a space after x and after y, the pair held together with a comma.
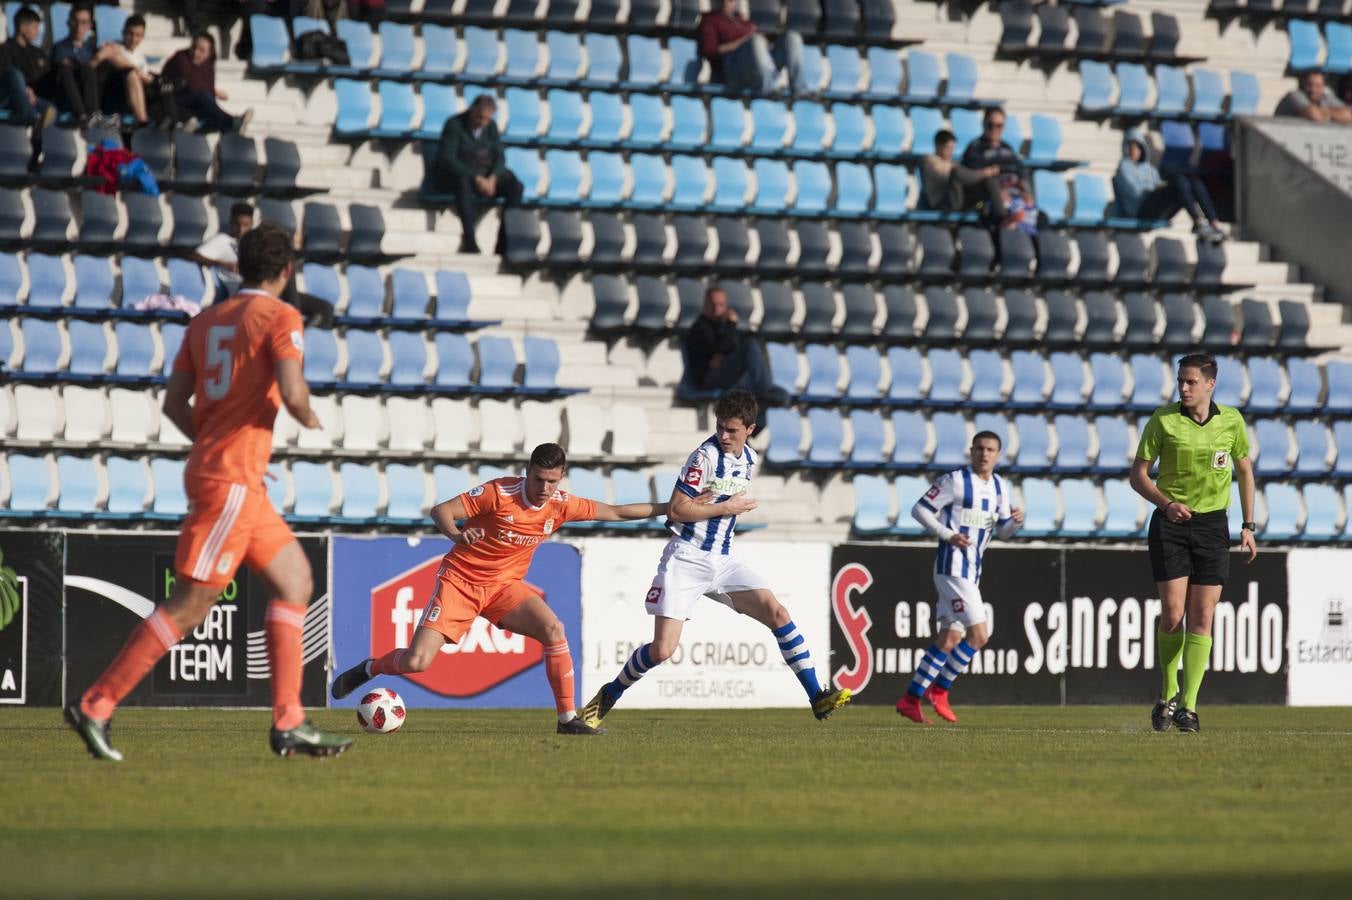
x: 381, y: 711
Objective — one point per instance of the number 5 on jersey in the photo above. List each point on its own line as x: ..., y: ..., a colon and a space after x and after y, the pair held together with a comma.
x: 220, y: 362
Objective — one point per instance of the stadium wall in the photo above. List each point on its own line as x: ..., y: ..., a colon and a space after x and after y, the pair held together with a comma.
x: 1071, y: 625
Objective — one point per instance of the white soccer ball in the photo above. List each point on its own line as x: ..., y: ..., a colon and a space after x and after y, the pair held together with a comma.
x: 381, y: 711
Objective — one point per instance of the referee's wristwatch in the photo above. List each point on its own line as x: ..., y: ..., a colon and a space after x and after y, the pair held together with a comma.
x: 1248, y: 526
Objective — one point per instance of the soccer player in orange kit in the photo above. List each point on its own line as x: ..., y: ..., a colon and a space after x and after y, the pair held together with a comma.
x: 507, y: 518
x: 240, y: 360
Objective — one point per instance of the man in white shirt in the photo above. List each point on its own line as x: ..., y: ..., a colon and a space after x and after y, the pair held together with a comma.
x: 222, y: 251
x: 121, y: 61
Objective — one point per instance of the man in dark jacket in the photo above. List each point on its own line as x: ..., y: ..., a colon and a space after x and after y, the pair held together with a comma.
x: 77, y: 82
x: 992, y: 196
x: 24, y: 71
x: 471, y: 165
x: 722, y: 356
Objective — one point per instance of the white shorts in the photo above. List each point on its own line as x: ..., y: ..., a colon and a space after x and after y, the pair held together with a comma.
x: 687, y: 573
x: 960, y: 604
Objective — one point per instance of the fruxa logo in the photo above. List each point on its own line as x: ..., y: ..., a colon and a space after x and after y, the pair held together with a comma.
x: 484, y: 658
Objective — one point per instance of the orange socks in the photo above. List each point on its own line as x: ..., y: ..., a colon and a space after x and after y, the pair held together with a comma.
x: 559, y: 669
x: 148, y: 642
x: 389, y: 664
x: 282, y: 627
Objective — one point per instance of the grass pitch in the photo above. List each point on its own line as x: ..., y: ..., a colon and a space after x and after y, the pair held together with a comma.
x: 1037, y: 802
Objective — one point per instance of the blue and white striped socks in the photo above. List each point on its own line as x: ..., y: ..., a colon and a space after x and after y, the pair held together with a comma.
x: 793, y: 647
x: 959, y: 658
x: 639, y: 664
x: 928, y: 669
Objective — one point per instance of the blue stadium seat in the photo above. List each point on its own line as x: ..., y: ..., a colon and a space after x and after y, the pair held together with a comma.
x: 1307, y: 386
x: 1091, y: 200
x: 607, y: 186
x: 365, y: 294
x: 947, y: 373
x: 525, y: 164
x: 11, y: 279
x: 1072, y: 451
x: 649, y: 180
x: 1109, y: 375
x: 962, y: 77
x: 497, y: 364
x: 41, y: 347
x: 94, y: 283
x: 649, y: 122
x: 440, y: 103
x: 1312, y: 447
x: 1172, y: 88
x: 769, y: 125
x: 186, y: 279
x: 1040, y: 507
x: 1342, y: 448
x: 1052, y: 195
x: 1126, y: 508
x: 128, y: 486
x: 872, y: 504
x: 455, y: 361
x: 1323, y: 510
x: 398, y: 112
x: 481, y: 53
x: 441, y: 48
x: 135, y: 350
x: 453, y: 296
x: 854, y: 189
x: 691, y: 179
x: 365, y: 357
x: 321, y: 356
x: 1133, y: 90
x: 1339, y: 376
x: 565, y: 115
x: 1081, y: 507
x: 542, y: 366
x: 1068, y: 387
x: 1013, y: 135
x: 1229, y: 381
x: 397, y: 48
x: 814, y: 187
x: 1030, y: 379
x: 950, y: 441
x: 884, y: 66
x: 30, y: 483
x: 828, y: 437
x: 360, y: 41
x: 813, y: 68
x: 523, y: 116
x: 988, y: 376
x: 407, y: 489
x: 170, y: 500
x: 731, y: 180
x: 892, y: 185
x: 109, y: 22
x: 1045, y: 145
x: 851, y: 135
x: 846, y: 70
x: 1245, y: 93
x: 1096, y: 82
x: 565, y: 177
x: 171, y: 336
x: 361, y: 492
x: 1208, y: 93
x: 966, y: 127
x: 408, y: 353
x: 314, y: 492
x: 908, y: 369
x: 869, y: 438
x: 1034, y: 443
x: 891, y: 130
x: 809, y: 120
x: 909, y: 489
x: 46, y: 281
x: 451, y: 482
x: 922, y: 77
x: 354, y: 108
x: 786, y: 436
x: 783, y: 362
x: 926, y: 122
x: 1148, y: 380
x: 823, y: 373
x: 1306, y: 46
x: 604, y: 60
x: 645, y: 62
x: 911, y: 437
x: 1284, y: 512
x: 77, y: 485
x: 1273, y: 446
x: 866, y: 371
x: 322, y: 281
x: 565, y: 57
x: 686, y: 63
x: 140, y: 279
x: 1265, y: 378
x: 772, y: 186
x: 1115, y: 450
x: 690, y: 122
x: 728, y: 118
x: 523, y: 55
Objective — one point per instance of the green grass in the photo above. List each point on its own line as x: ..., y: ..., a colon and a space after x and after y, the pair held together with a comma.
x: 1032, y: 802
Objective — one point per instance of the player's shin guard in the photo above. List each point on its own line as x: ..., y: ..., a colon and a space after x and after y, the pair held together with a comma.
x: 793, y: 647
x: 959, y: 658
x: 1170, y: 649
x: 640, y: 661
x: 1196, y: 652
x: 391, y: 663
x: 148, y: 642
x: 928, y: 669
x: 283, y: 626
x: 559, y: 669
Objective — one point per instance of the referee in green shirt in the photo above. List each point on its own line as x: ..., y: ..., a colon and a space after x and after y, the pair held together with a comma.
x: 1196, y: 442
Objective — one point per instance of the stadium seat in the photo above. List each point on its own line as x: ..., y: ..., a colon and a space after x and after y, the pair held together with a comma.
x: 1068, y: 381
x: 408, y: 352
x: 1306, y: 46
x: 950, y: 441
x: 988, y: 376
x: 1284, y: 512
x: 1081, y: 501
x: 1096, y: 95
x: 1273, y: 446
x: 1312, y: 449
x: 911, y: 440
x: 1323, y: 513
x: 948, y: 374
x: 873, y: 502
x: 314, y: 491
x: 828, y: 438
x: 866, y: 450
x: 38, y: 412
x: 365, y: 359
x: 1245, y: 94
x: 1034, y: 443
x: 1115, y: 449
x: 170, y: 499
x: 908, y: 369
x: 1030, y: 379
x: 865, y: 375
x: 786, y: 437
x: 1072, y: 435
x: 1126, y: 511
x: 31, y: 485
x: 1042, y: 508
x: 1109, y: 381
x: 128, y: 486
x: 851, y: 134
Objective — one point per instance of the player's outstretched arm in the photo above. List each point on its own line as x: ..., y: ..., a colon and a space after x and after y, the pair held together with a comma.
x: 684, y: 508
x: 177, y: 402
x: 627, y: 512
x: 295, y: 392
x: 446, y: 513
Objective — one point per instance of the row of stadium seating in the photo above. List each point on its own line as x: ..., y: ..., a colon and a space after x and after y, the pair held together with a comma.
x: 306, y: 492
x: 84, y: 351
x: 1310, y: 53
x: 353, y: 425
x: 1122, y: 38
x: 1132, y: 87
x: 1079, y: 508
x: 1067, y: 443
x: 1258, y: 13
x: 607, y: 120
x: 517, y: 56
x: 1111, y: 381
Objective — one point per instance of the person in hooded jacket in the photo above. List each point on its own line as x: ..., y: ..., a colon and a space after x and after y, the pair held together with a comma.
x: 1142, y: 193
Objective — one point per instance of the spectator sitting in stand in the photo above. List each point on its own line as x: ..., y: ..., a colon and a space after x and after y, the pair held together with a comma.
x: 1004, y: 197
x: 740, y: 56
x: 23, y: 71
x: 126, y: 84
x: 1311, y: 100
x: 1140, y: 192
x: 221, y: 251
x: 470, y: 164
x: 191, y: 75
x: 944, y: 180
x: 77, y: 81
x: 721, y: 356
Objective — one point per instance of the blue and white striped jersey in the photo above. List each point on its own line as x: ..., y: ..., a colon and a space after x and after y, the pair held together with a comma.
x: 710, y: 469
x: 964, y: 503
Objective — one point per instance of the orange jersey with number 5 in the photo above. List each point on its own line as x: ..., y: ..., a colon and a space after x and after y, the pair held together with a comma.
x: 231, y: 350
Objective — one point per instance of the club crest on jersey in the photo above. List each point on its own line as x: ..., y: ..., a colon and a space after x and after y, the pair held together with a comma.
x: 476, y: 490
x: 549, y: 525
x: 298, y: 341
x: 1220, y: 460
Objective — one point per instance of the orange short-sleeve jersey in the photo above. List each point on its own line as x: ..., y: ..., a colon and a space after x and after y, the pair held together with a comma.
x: 231, y: 350
x: 512, y: 529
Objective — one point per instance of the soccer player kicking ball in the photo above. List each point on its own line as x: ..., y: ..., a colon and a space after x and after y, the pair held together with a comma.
x: 482, y: 575
x: 239, y: 361
x: 1196, y: 442
x: 698, y: 561
x: 964, y: 510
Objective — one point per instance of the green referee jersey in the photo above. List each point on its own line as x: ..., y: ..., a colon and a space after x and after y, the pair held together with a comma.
x: 1195, y: 458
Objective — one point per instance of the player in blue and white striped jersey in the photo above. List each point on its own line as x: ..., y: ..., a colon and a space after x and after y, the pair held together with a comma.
x: 710, y: 493
x: 964, y: 510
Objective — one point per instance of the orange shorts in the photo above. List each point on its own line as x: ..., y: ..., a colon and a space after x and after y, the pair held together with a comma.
x: 455, y: 603
x: 228, y: 525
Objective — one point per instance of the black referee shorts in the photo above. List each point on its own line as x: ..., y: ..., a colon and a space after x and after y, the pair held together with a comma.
x: 1198, y: 549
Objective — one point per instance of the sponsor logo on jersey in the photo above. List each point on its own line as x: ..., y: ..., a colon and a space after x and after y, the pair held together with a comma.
x: 933, y: 492
x: 693, y: 475
x: 484, y: 658
x: 728, y: 486
x: 977, y: 518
